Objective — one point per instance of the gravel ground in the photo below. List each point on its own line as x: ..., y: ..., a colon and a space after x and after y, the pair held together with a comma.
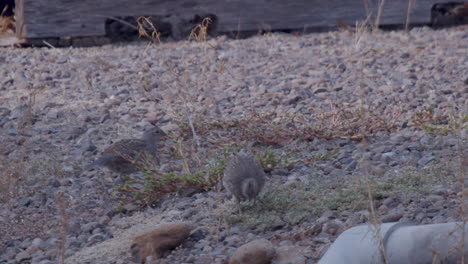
x: 78, y: 100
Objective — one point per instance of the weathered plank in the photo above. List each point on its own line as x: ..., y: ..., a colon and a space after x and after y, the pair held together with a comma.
x: 59, y: 18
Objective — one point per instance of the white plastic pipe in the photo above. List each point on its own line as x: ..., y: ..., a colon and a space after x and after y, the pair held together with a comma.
x: 403, y: 243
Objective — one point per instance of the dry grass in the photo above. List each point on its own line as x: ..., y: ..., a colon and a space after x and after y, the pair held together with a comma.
x: 463, y: 201
x: 379, y: 15
x: 148, y: 30
x: 274, y: 128
x: 434, y: 123
x: 18, y: 169
x: 200, y: 31
x: 408, y: 13
x: 62, y: 204
x: 7, y: 23
x: 13, y: 169
x: 374, y: 222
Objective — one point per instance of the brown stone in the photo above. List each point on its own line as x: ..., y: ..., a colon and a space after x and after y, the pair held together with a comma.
x: 159, y: 241
x: 259, y: 251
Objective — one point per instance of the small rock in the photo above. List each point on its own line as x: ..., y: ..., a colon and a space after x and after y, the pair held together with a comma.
x: 128, y: 208
x: 158, y: 241
x: 333, y: 227
x: 391, y: 202
x: 391, y: 217
x: 388, y: 156
x: 259, y: 251
x: 426, y: 159
x: 25, y: 201
x: 87, y: 145
x: 352, y: 166
x: 232, y: 240
x: 89, y: 227
x: 289, y: 255
x: 280, y: 172
x: 420, y: 216
x: 320, y: 90
x: 197, y: 235
x: 75, y: 132
x: 98, y: 237
x: 54, y: 183
x: 41, y: 244
x: 405, y: 55
x: 9, y: 253
x: 46, y: 261
x: 434, y: 198
x: 22, y: 257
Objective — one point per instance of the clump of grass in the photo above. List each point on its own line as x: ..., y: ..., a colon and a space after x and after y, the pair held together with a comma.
x: 145, y: 192
x: 48, y: 166
x: 410, y: 182
x: 269, y: 159
x: 15, y: 168
x: 216, y: 170
x: 293, y: 203
x: 155, y: 183
x: 439, y: 124
x: 63, y: 203
x: 279, y: 205
x: 11, y: 173
x: 327, y: 155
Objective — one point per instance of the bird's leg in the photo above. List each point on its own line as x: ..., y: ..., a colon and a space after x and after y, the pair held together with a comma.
x: 239, y: 206
x: 108, y: 175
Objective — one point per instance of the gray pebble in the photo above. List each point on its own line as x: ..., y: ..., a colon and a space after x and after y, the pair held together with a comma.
x: 22, y: 257
x: 99, y: 237
x: 426, y: 159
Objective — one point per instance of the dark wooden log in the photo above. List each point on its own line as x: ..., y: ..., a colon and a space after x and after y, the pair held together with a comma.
x: 63, y: 18
x: 449, y: 14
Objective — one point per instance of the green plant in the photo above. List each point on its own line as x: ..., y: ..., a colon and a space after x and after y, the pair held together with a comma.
x: 216, y: 170
x: 278, y: 205
x: 156, y: 184
x: 269, y: 159
x: 284, y: 204
x: 326, y: 155
x: 153, y: 186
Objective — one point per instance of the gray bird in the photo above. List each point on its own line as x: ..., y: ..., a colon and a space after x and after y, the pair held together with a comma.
x: 124, y: 155
x: 243, y: 178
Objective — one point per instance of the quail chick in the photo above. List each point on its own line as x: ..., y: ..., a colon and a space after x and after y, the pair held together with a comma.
x: 121, y: 156
x: 243, y: 178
